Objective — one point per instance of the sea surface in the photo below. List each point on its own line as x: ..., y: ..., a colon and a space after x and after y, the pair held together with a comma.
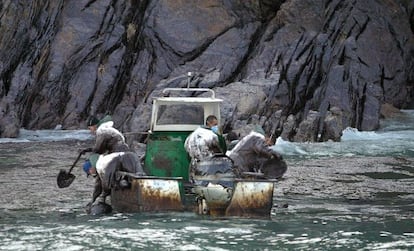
x: 357, y: 194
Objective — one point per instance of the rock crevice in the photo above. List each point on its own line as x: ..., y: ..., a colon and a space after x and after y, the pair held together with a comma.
x: 304, y: 70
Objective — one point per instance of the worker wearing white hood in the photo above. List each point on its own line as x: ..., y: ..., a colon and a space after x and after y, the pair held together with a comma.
x: 108, y: 139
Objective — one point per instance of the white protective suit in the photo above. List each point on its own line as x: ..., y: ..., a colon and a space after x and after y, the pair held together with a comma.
x: 106, y: 168
x: 251, y: 152
x: 202, y: 143
x: 109, y: 139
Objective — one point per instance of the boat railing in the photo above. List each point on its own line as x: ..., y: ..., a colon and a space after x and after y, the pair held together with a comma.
x: 120, y: 174
x: 213, y: 94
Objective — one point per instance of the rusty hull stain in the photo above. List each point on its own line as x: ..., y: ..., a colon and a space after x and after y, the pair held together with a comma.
x: 159, y: 195
x: 148, y: 195
x: 251, y: 198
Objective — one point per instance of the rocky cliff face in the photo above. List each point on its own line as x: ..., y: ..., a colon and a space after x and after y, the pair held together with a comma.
x: 303, y: 69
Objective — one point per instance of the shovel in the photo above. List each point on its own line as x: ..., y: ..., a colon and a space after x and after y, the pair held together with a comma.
x: 64, y: 179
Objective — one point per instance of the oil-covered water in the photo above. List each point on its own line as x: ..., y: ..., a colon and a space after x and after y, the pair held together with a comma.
x: 354, y: 195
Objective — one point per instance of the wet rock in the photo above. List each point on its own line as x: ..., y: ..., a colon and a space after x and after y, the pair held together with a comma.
x: 289, y: 128
x: 332, y: 125
x: 308, y: 128
x: 9, y: 127
x: 389, y: 111
x: 9, y: 124
x: 63, y: 61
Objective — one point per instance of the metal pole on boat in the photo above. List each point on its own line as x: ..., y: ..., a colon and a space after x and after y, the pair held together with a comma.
x: 189, y: 75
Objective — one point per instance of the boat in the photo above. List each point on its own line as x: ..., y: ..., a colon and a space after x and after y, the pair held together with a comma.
x: 168, y: 186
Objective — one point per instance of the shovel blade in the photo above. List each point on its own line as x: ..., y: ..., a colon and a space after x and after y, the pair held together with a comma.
x: 64, y: 179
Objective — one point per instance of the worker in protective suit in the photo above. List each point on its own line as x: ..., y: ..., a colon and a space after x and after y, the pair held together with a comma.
x: 105, y: 170
x: 108, y: 138
x: 205, y: 141
x: 205, y: 145
x: 253, y: 153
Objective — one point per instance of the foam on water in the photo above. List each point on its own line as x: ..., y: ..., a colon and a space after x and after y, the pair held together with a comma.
x: 48, y: 135
x: 394, y: 138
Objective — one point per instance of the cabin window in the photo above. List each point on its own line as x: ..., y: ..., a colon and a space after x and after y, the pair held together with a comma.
x: 180, y: 114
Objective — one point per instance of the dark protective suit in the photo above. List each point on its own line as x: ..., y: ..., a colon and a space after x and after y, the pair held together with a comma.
x: 251, y: 152
x: 109, y: 140
x: 106, y: 168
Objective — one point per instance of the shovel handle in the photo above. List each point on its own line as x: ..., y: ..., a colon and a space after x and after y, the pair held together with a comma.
x: 76, y: 161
